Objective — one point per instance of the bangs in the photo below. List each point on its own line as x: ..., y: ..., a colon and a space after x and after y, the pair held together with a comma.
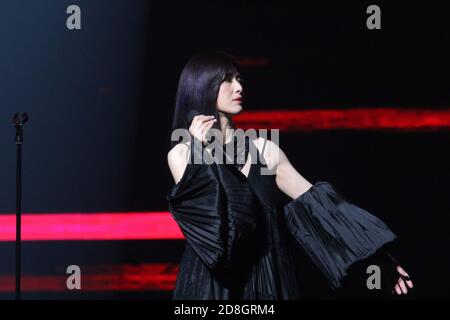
x: 229, y: 72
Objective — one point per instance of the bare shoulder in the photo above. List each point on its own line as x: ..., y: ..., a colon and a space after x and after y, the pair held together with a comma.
x: 263, y: 143
x: 270, y: 152
x: 177, y: 159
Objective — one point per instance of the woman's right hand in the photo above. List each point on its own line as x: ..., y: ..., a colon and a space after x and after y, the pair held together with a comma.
x: 200, y: 125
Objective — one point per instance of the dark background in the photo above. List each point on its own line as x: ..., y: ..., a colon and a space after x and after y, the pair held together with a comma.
x: 101, y: 103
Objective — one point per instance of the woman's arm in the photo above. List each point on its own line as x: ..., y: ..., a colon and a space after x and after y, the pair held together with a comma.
x: 293, y: 184
x: 177, y: 160
x: 288, y: 179
x: 178, y: 156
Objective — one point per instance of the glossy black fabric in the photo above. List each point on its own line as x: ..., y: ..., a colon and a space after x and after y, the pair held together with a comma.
x: 215, y: 209
x: 241, y: 240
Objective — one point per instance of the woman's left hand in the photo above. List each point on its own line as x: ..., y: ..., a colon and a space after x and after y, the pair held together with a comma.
x: 403, y: 282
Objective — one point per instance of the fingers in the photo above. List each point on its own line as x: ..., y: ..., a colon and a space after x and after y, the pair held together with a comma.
x: 403, y: 286
x: 207, y: 123
x: 200, y: 126
x: 403, y: 282
x: 206, y: 126
x: 400, y: 287
x: 200, y: 119
x: 409, y: 283
x: 402, y: 271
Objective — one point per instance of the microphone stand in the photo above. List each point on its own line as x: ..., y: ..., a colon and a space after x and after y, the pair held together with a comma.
x: 18, y: 123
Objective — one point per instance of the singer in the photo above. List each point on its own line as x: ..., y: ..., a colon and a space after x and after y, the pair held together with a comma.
x: 241, y: 240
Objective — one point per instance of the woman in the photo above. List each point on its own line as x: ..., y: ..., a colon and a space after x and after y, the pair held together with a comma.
x: 241, y: 240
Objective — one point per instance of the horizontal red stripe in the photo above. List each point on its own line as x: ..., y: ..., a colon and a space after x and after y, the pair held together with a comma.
x: 354, y: 119
x: 160, y: 225
x: 142, y: 277
x: 253, y: 62
x: 91, y: 226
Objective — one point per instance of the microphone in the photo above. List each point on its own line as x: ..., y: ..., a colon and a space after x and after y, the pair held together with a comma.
x: 191, y: 114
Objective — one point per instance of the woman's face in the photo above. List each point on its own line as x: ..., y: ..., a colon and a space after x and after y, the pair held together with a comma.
x: 229, y: 100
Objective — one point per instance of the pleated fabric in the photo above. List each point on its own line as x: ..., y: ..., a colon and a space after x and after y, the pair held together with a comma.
x: 334, y: 232
x: 241, y: 241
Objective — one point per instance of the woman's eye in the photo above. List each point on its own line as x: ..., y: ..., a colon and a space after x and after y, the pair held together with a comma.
x: 229, y: 78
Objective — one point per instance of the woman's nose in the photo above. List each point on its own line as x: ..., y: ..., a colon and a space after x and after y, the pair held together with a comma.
x: 238, y: 87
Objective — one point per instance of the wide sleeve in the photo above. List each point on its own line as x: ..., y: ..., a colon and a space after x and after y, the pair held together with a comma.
x: 214, y: 211
x: 194, y: 204
x: 334, y: 232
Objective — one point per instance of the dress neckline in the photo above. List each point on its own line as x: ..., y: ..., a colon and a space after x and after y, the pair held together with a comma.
x: 247, y: 152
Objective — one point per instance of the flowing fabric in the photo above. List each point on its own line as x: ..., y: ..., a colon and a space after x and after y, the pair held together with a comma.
x: 241, y: 240
x: 334, y: 232
x: 215, y: 210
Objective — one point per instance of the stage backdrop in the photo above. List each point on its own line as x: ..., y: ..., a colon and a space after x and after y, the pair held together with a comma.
x: 100, y: 101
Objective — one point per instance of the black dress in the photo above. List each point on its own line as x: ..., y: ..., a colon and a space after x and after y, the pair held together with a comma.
x: 241, y: 240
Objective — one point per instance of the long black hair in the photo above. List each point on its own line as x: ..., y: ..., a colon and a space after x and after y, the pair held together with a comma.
x: 199, y: 85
